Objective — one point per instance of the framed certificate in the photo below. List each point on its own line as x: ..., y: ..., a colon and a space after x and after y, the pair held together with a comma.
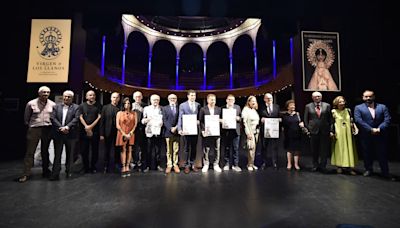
x: 271, y: 128
x: 189, y: 124
x: 153, y: 127
x: 228, y: 118
x: 211, y: 123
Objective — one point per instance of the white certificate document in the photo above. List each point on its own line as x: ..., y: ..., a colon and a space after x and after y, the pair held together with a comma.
x: 228, y: 118
x: 189, y: 124
x: 154, y: 125
x: 211, y: 125
x: 271, y: 128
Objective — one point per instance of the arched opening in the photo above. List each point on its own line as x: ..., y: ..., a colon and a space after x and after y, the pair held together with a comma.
x: 163, y: 65
x: 191, y: 67
x: 218, y: 66
x: 113, y: 57
x: 137, y: 59
x: 243, y: 62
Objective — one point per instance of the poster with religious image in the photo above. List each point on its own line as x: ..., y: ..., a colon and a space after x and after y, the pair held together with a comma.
x: 321, y: 61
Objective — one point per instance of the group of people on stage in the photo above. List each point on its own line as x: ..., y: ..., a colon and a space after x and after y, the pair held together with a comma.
x: 136, y: 131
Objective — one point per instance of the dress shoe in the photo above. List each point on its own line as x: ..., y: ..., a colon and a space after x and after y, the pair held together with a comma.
x: 367, y: 173
x: 54, y: 178
x: 23, y: 179
x: 275, y: 166
x: 168, y: 170
x: 353, y: 173
x: 160, y: 169
x: 186, y: 170
x: 217, y: 169
x: 297, y: 168
x: 105, y: 170
x: 146, y: 170
x: 255, y: 167
x: 68, y: 175
x: 226, y: 167
x: 250, y: 168
x: 195, y: 169
x: 263, y: 166
x: 339, y: 170
x: 314, y: 169
x: 93, y: 171
x: 176, y: 169
x: 289, y: 168
x: 236, y: 168
x: 205, y: 169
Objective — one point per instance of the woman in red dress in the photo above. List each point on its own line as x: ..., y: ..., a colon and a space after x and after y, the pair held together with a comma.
x: 126, y: 124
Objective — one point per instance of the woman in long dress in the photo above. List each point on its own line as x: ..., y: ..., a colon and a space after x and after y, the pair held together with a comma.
x: 251, y: 120
x: 344, y: 153
x: 126, y: 124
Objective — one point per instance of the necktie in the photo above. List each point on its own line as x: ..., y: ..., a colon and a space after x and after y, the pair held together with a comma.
x: 269, y: 110
x: 318, y: 110
x: 173, y: 109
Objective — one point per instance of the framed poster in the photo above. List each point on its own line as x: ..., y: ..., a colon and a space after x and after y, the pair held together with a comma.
x: 321, y: 61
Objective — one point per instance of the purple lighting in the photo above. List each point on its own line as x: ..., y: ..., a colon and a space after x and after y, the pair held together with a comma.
x: 103, y: 56
x: 291, y: 50
x: 204, y: 72
x: 149, y: 71
x: 123, y: 63
x: 255, y: 66
x: 177, y: 72
x: 274, y: 58
x: 230, y: 70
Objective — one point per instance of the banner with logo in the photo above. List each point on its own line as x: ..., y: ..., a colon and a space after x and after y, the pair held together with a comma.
x: 321, y: 61
x: 49, y: 50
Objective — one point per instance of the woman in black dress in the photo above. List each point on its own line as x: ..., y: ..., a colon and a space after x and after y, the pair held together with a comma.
x: 292, y: 125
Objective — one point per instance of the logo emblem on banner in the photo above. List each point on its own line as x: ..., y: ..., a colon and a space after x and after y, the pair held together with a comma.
x: 50, y: 38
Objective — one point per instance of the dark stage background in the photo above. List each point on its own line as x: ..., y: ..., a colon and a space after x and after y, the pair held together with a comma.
x: 368, y: 44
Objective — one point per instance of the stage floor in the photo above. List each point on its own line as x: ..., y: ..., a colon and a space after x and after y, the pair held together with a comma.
x: 266, y: 198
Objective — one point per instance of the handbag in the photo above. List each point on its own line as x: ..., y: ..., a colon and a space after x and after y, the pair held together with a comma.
x: 354, y: 128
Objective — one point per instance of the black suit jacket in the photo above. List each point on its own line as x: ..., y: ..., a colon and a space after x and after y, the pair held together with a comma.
x: 108, y: 126
x: 71, y: 120
x: 206, y: 111
x: 170, y: 120
x: 238, y: 122
x: 264, y: 113
x: 318, y: 125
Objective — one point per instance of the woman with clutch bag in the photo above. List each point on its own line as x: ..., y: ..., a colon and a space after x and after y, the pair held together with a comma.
x: 344, y: 153
x: 251, y: 120
x: 292, y: 128
x: 126, y: 122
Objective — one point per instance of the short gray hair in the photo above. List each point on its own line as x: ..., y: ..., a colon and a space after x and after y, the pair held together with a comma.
x: 68, y: 92
x: 42, y: 88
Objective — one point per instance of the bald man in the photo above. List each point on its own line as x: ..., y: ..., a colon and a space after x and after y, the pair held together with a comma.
x: 90, y: 114
x: 318, y: 119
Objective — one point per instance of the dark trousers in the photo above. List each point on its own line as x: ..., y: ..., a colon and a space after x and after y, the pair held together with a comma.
x: 153, y: 155
x: 375, y: 146
x: 109, y: 148
x: 33, y: 135
x: 92, y: 142
x: 70, y: 144
x: 320, y: 145
x: 231, y: 143
x: 140, y: 148
x: 269, y: 146
x: 190, y: 149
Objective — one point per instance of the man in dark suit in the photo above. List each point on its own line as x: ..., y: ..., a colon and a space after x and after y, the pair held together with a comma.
x: 108, y: 130
x: 170, y: 120
x: 318, y: 119
x: 269, y: 145
x: 231, y: 137
x: 64, y: 119
x: 140, y: 146
x: 373, y: 120
x: 190, y: 107
x: 210, y: 141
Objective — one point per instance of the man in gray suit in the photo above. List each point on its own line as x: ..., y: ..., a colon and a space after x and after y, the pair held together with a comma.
x: 65, y: 119
x: 187, y: 108
x: 318, y: 119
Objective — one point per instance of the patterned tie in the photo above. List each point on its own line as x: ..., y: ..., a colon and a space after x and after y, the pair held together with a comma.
x: 318, y: 110
x: 173, y: 109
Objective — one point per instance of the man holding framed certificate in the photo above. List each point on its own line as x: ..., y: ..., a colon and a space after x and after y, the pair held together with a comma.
x: 270, y: 130
x: 210, y: 129
x: 152, y: 118
x: 231, y: 132
x: 187, y: 127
